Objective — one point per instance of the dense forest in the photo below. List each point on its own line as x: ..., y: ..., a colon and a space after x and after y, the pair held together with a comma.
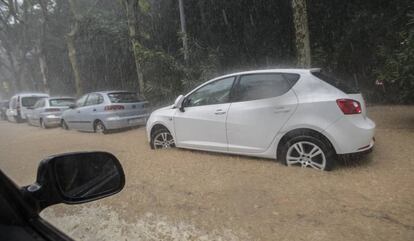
x: 161, y: 48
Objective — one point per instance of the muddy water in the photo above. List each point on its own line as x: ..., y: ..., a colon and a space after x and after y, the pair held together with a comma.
x: 190, y: 195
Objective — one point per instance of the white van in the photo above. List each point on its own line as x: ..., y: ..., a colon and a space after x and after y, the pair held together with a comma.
x: 19, y: 103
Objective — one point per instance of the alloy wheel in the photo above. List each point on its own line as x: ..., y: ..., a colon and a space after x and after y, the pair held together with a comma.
x: 163, y: 140
x: 100, y: 128
x: 306, y: 154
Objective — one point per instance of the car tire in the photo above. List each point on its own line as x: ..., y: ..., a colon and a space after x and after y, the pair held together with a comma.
x: 99, y: 127
x: 162, y: 139
x: 64, y: 125
x: 308, y: 151
x: 43, y: 124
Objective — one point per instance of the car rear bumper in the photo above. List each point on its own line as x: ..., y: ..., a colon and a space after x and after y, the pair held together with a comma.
x: 117, y: 122
x: 352, y: 134
x: 52, y: 120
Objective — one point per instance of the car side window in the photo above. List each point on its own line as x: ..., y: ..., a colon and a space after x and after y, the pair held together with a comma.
x: 81, y: 102
x: 217, y: 92
x: 261, y: 86
x: 94, y: 99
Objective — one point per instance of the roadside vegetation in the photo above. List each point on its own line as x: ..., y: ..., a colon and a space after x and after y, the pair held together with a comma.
x: 160, y: 49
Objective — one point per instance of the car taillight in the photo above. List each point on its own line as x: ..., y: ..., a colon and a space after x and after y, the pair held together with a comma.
x: 52, y: 109
x: 114, y: 107
x: 349, y: 107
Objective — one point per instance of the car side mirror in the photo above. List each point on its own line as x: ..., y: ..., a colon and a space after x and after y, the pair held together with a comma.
x: 178, y: 103
x: 75, y: 178
x: 72, y: 106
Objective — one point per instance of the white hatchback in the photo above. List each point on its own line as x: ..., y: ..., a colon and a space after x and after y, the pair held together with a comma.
x: 299, y: 116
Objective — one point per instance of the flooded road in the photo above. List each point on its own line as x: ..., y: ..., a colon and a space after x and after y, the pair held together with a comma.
x: 190, y: 195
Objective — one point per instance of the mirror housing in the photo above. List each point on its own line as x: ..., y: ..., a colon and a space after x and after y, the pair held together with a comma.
x: 178, y: 103
x: 72, y: 106
x: 75, y: 178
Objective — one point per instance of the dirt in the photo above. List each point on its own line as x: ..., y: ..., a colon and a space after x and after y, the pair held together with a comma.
x: 190, y: 195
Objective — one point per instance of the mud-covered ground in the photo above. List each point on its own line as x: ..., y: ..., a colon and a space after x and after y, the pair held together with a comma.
x: 188, y: 195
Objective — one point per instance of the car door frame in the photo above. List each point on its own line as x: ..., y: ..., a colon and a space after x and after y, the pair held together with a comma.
x: 88, y: 112
x: 37, y: 111
x: 73, y: 114
x: 277, y: 110
x: 21, y: 207
x: 215, y: 108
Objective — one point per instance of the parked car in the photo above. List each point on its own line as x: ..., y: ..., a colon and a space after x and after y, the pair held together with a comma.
x: 4, y: 105
x: 19, y: 103
x: 108, y: 110
x: 299, y: 116
x: 72, y: 178
x: 47, y: 112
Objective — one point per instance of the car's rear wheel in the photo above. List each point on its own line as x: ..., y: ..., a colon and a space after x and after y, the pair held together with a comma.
x: 99, y: 127
x: 162, y: 139
x: 308, y: 151
x: 64, y: 125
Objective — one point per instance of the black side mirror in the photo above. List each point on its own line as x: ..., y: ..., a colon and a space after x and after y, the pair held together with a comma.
x: 75, y: 178
x: 72, y: 106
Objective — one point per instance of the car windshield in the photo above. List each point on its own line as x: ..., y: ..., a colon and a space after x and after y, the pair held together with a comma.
x: 30, y: 101
x: 61, y: 102
x: 124, y: 97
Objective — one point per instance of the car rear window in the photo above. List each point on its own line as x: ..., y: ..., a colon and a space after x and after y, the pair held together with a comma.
x: 30, y: 101
x: 61, y: 102
x: 124, y: 97
x: 345, y: 86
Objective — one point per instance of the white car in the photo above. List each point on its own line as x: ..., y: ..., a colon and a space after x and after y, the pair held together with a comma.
x: 20, y: 103
x: 299, y: 116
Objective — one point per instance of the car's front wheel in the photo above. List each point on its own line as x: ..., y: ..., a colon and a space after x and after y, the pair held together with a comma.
x: 308, y: 151
x: 162, y: 139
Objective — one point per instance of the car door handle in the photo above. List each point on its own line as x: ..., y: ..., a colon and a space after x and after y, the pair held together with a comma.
x: 78, y: 111
x: 94, y: 109
x: 281, y: 110
x: 220, y: 112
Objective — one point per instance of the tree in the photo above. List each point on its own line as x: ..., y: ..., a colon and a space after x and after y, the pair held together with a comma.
x: 132, y: 11
x: 70, y: 41
x: 300, y: 20
x: 183, y: 30
x: 42, y: 44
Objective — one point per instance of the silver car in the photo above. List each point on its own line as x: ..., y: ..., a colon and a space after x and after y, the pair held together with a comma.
x: 102, y: 111
x: 48, y: 111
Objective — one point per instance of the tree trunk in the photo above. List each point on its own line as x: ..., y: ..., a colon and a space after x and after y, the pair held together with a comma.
x: 300, y: 20
x: 132, y: 11
x: 183, y: 30
x: 70, y: 42
x: 42, y: 42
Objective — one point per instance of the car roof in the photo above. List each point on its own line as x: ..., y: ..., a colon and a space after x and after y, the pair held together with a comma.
x: 265, y: 71
x: 112, y: 91
x: 60, y: 97
x: 262, y: 71
x: 30, y: 94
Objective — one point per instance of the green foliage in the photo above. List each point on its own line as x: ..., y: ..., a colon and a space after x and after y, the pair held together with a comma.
x: 359, y: 40
x: 397, y: 71
x: 162, y: 74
